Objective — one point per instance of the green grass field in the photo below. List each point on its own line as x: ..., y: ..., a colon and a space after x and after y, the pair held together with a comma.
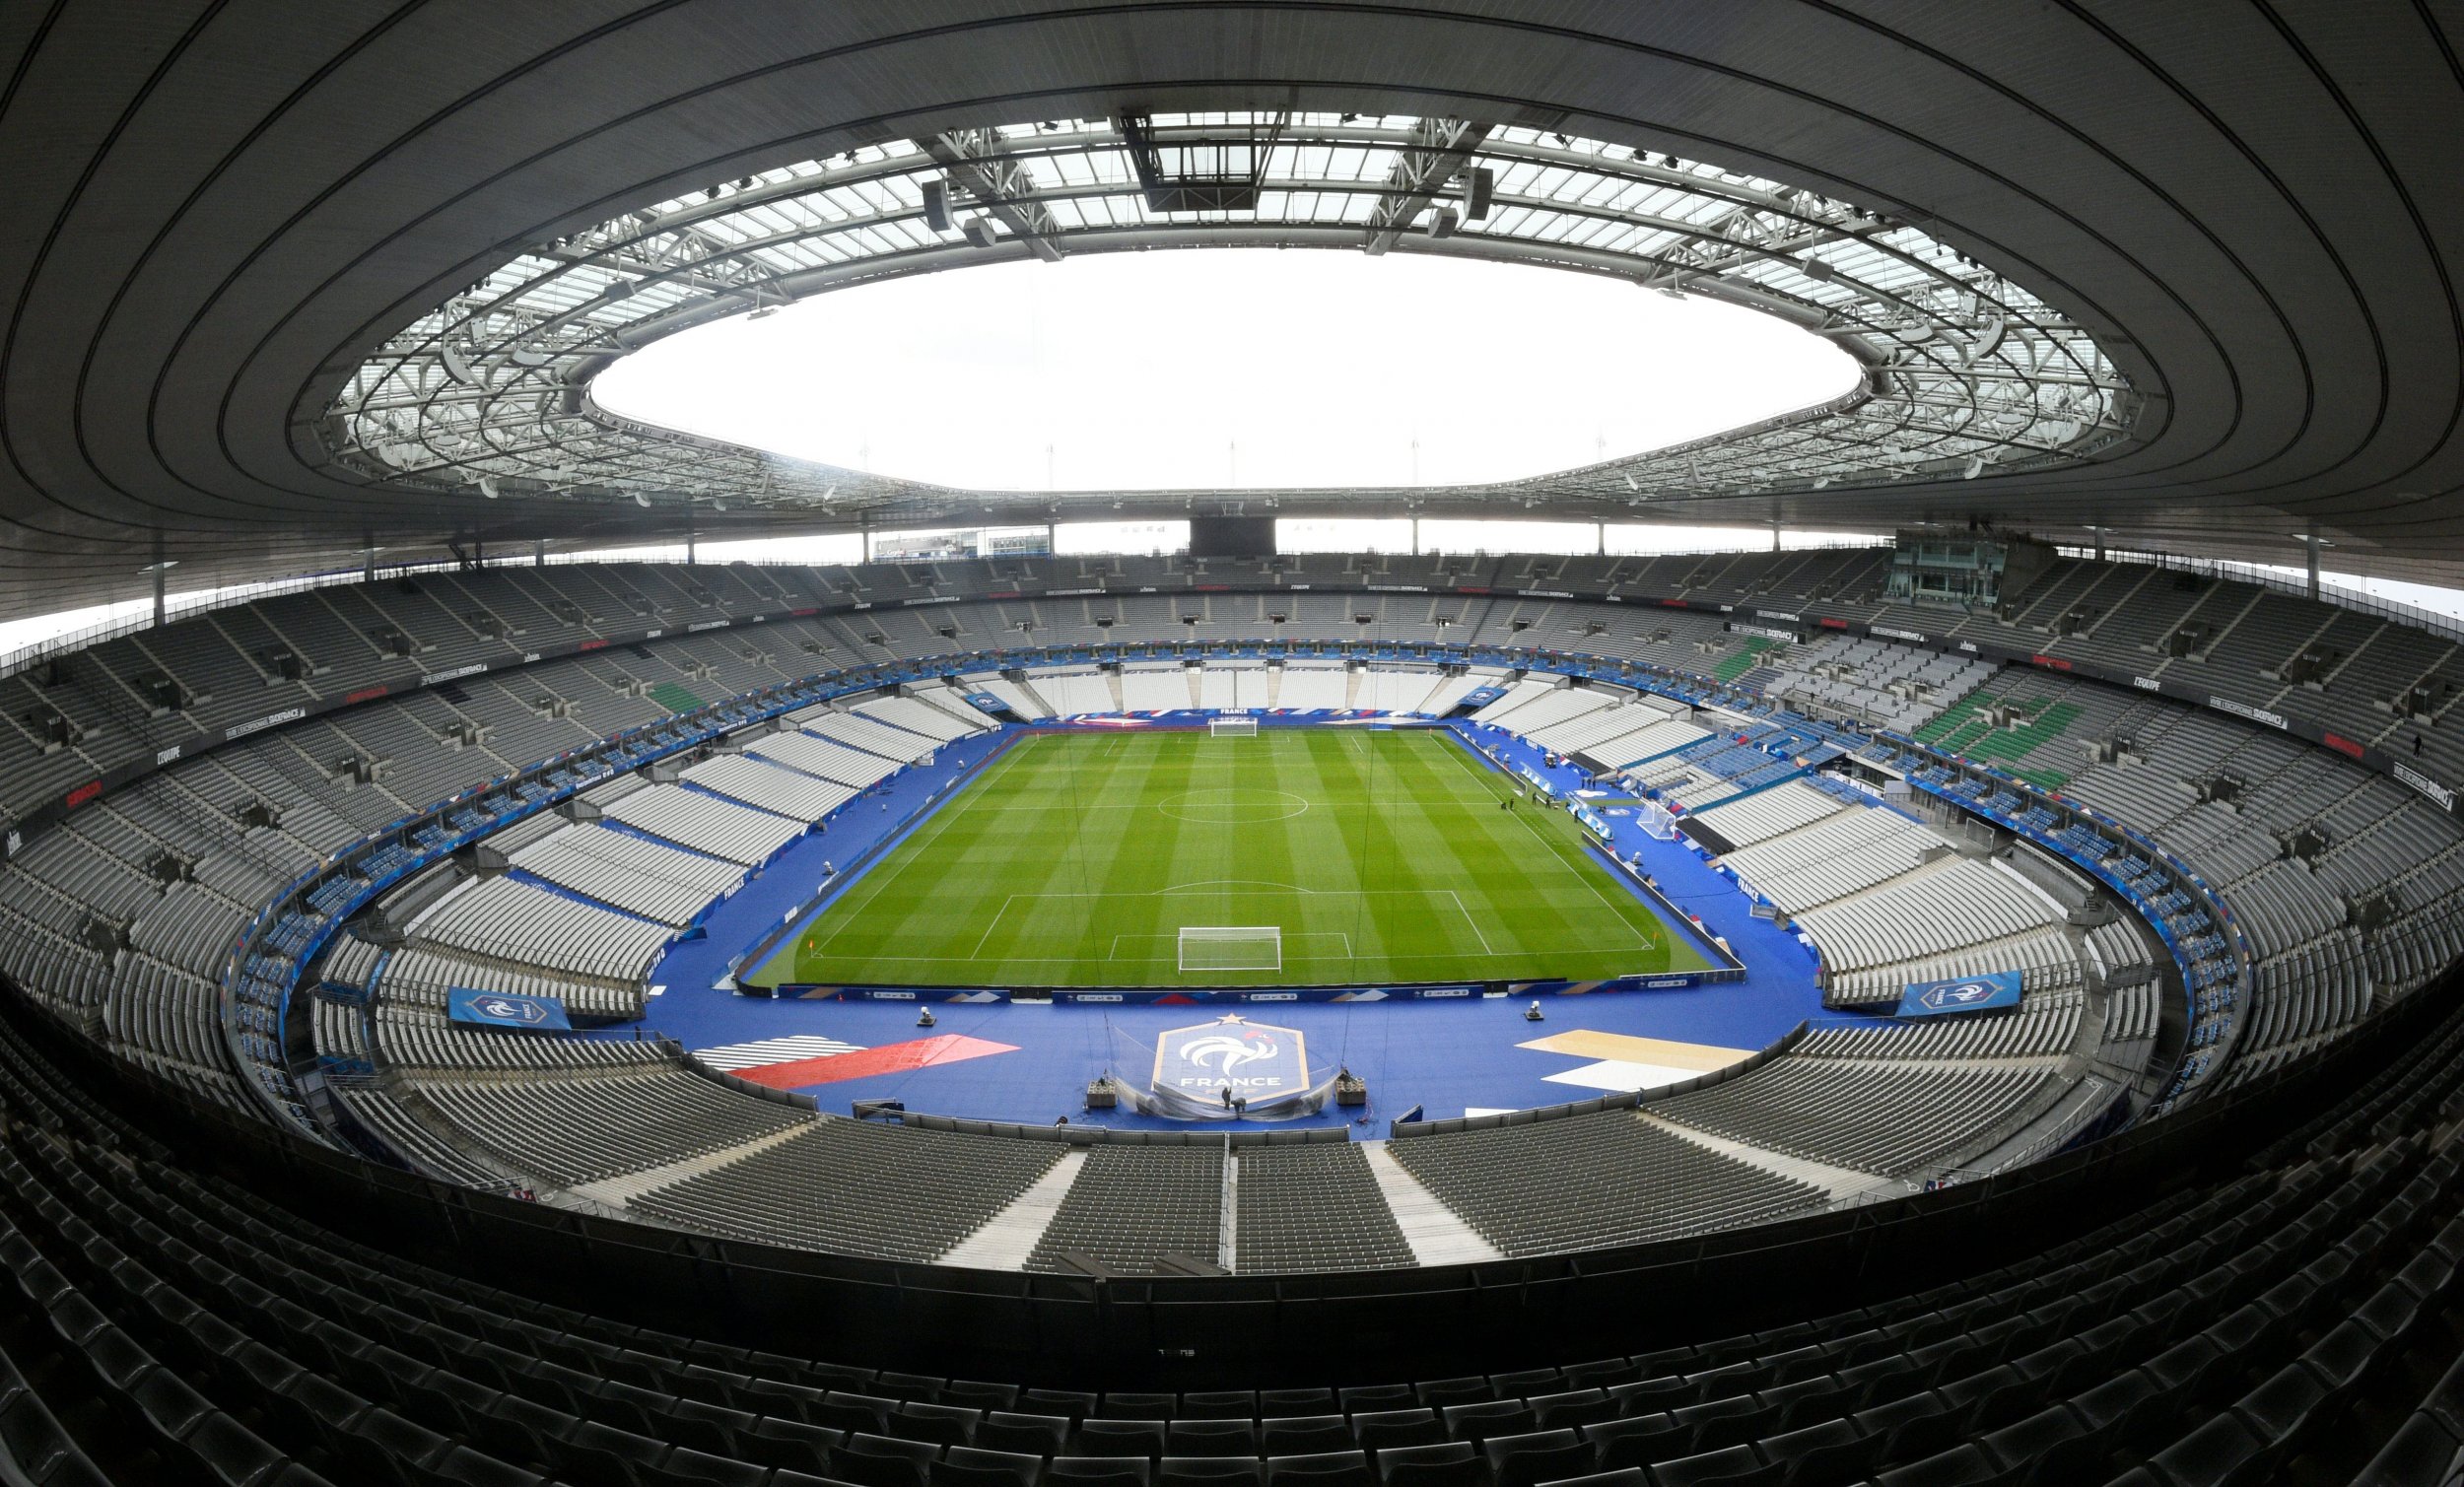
x: 1076, y: 861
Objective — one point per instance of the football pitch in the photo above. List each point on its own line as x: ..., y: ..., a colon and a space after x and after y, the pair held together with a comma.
x: 1305, y: 856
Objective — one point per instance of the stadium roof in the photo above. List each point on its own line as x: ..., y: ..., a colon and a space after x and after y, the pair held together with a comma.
x: 1965, y: 370
x: 290, y: 281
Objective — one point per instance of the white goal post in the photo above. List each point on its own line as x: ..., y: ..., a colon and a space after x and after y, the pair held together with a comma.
x: 1231, y: 947
x: 1232, y: 727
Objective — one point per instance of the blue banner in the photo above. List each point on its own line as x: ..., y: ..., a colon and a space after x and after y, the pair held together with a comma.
x: 503, y: 1009
x: 1966, y: 994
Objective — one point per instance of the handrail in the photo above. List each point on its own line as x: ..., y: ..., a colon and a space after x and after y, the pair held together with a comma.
x: 2343, y: 596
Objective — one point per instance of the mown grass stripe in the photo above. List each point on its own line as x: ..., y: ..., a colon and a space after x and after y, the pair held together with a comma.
x: 1383, y: 856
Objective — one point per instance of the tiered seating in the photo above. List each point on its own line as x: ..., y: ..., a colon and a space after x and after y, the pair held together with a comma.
x: 944, y: 698
x: 1313, y: 688
x: 706, y: 823
x: 2040, y: 1027
x: 1716, y: 769
x: 1586, y: 1182
x: 1647, y: 743
x: 2133, y: 1013
x: 1131, y: 1206
x: 918, y: 718
x: 872, y: 737
x: 163, y: 1019
x: 823, y: 1187
x: 578, y: 1131
x: 1543, y: 709
x: 2291, y: 1318
x: 1838, y: 855
x: 427, y: 1152
x: 1889, y: 1119
x: 1388, y: 690
x: 1769, y: 813
x: 2043, y: 958
x: 2120, y: 953
x: 628, y: 872
x: 189, y: 927
x: 1072, y: 694
x: 1598, y: 729
x: 1154, y: 689
x: 1253, y: 685
x: 2315, y: 977
x: 1017, y: 697
x: 1531, y: 688
x: 1313, y: 1208
x: 1873, y: 680
x: 349, y: 963
x: 774, y: 788
x: 1449, y: 693
x: 420, y: 975
x: 1950, y: 905
x: 828, y: 760
x: 419, y: 1039
x: 515, y: 923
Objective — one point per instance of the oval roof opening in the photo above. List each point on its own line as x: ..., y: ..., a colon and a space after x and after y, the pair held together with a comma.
x: 1238, y: 368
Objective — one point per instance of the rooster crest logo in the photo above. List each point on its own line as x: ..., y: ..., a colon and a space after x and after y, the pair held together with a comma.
x: 1228, y: 1053
x: 1233, y: 1054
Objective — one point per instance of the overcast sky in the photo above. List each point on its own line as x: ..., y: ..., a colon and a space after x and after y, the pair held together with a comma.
x: 1254, y: 368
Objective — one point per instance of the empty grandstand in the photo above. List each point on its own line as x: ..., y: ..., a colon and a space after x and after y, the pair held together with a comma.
x: 655, y: 644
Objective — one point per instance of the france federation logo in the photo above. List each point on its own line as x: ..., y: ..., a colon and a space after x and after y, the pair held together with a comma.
x: 1958, y: 995
x: 1245, y: 1059
x: 1966, y: 994
x: 504, y: 1009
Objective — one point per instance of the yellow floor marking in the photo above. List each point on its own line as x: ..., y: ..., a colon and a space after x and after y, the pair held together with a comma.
x: 1584, y: 1043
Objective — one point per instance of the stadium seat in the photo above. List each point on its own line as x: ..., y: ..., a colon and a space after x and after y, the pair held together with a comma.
x: 1032, y: 1435
x: 1209, y: 1471
x: 1728, y: 1466
x: 1544, y: 1455
x: 1476, y: 1423
x: 1378, y: 1430
x: 970, y: 1466
x: 1303, y: 1434
x: 1101, y: 1471
x: 1329, y: 1468
x: 1226, y: 1436
x: 2423, y: 1450
x: 871, y: 1461
x: 1451, y: 1463
x: 1134, y: 1436
x: 2279, y: 1301
x: 1222, y: 1404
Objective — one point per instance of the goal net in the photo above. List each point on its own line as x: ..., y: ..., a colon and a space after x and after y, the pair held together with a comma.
x: 1231, y: 947
x: 1232, y: 727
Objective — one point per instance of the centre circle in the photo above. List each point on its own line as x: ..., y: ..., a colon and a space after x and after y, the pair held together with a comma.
x: 1230, y: 806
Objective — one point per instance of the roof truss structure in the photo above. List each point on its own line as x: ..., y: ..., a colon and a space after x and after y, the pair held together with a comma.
x: 1965, y: 371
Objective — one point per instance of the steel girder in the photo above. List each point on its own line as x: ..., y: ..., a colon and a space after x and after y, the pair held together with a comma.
x: 1964, y: 371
